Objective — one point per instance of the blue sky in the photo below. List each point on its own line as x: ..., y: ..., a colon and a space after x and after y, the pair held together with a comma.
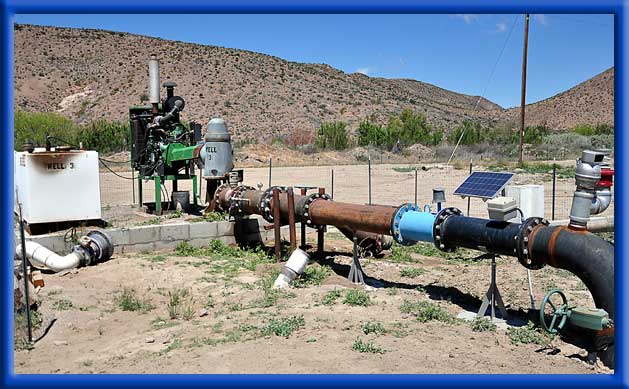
x: 455, y: 52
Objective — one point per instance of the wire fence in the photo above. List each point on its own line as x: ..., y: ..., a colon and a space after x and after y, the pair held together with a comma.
x: 379, y: 183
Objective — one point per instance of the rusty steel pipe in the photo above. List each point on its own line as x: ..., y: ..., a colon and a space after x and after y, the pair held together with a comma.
x: 368, y: 218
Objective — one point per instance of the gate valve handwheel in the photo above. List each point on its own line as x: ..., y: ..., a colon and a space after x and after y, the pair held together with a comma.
x: 561, y: 313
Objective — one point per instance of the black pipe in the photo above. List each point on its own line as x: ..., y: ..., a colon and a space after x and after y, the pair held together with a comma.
x: 582, y: 253
x: 592, y: 260
x: 480, y: 234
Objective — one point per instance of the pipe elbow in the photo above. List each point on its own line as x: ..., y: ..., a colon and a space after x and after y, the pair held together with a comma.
x: 41, y: 257
x: 601, y: 201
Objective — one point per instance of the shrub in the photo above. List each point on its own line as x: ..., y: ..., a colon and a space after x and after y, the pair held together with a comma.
x: 101, y: 135
x: 332, y: 136
x: 357, y: 297
x: 408, y: 128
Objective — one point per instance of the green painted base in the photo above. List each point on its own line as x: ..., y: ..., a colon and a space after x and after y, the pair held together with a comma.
x: 158, y: 192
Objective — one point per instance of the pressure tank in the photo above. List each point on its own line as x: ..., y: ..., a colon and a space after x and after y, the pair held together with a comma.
x: 217, y: 152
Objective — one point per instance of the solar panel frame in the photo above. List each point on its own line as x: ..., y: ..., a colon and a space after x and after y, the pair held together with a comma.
x: 484, y: 185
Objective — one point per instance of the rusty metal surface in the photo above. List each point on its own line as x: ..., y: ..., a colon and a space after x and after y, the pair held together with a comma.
x: 369, y: 218
x: 291, y: 218
x: 277, y: 223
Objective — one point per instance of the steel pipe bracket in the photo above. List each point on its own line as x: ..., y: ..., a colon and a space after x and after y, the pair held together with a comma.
x: 522, y: 241
x: 265, y: 202
x: 442, y: 216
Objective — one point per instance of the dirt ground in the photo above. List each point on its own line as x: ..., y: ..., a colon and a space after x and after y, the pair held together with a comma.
x: 222, y: 329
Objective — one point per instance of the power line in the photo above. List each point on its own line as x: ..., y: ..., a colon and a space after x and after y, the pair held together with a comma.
x: 491, y: 75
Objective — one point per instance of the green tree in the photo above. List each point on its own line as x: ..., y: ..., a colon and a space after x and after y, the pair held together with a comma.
x: 332, y: 136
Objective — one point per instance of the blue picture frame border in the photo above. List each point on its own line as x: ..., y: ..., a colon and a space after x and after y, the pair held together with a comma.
x: 8, y: 8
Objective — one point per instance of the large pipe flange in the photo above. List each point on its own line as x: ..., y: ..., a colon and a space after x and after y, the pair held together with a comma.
x: 265, y: 202
x: 305, y: 208
x: 236, y: 200
x: 217, y: 195
x: 94, y: 247
x: 521, y: 249
x: 395, y: 223
x: 442, y: 216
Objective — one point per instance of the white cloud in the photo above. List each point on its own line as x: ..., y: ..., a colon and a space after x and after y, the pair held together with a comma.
x: 402, y: 62
x: 501, y: 27
x: 467, y: 18
x: 541, y: 19
x: 364, y: 71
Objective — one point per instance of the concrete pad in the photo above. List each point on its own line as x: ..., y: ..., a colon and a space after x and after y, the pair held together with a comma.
x: 499, y: 322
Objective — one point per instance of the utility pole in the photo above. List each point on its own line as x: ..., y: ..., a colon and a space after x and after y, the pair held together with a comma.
x: 523, y: 99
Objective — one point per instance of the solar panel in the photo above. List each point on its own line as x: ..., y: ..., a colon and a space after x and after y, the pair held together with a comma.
x: 485, y: 185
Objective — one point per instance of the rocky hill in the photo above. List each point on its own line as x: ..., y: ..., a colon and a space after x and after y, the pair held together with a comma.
x: 590, y: 102
x: 89, y: 74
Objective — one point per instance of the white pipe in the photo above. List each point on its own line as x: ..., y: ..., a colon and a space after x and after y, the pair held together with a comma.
x: 595, y: 224
x: 153, y: 80
x: 293, y: 268
x: 43, y: 258
x: 601, y: 201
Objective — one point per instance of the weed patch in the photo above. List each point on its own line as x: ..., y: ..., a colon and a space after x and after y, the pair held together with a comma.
x: 284, y: 326
x: 128, y: 300
x: 426, y: 311
x: 367, y: 347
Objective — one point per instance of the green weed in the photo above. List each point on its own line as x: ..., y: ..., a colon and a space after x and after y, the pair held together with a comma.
x: 367, y: 347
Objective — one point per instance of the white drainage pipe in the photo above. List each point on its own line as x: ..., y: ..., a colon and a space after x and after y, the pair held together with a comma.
x: 43, y: 258
x: 294, y: 267
x: 94, y: 247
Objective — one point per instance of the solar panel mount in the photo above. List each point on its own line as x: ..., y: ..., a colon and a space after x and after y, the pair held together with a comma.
x: 484, y: 185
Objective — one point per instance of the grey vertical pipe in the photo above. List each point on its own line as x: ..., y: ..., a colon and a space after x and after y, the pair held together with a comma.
x: 27, y: 300
x: 369, y: 174
x: 153, y: 80
x: 415, y: 187
x: 469, y: 198
x: 270, y: 169
x: 277, y: 224
x: 554, y: 188
x: 332, y: 184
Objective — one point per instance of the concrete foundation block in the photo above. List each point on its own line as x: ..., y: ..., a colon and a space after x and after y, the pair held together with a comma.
x: 205, y: 230
x: 171, y: 232
x: 120, y: 236
x: 166, y: 245
x: 137, y: 248
x: 144, y: 234
x: 225, y: 229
